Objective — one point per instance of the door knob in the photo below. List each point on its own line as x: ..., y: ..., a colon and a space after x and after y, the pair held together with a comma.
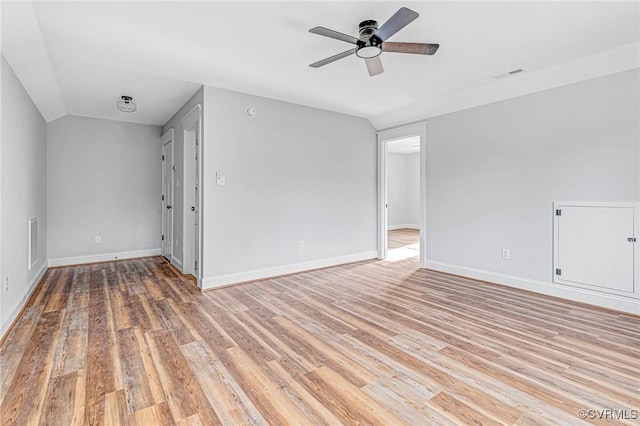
x: 193, y: 209
x: 631, y: 240
x: 168, y: 207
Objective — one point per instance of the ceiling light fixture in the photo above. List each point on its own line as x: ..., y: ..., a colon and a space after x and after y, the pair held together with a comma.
x: 368, y: 46
x: 126, y: 104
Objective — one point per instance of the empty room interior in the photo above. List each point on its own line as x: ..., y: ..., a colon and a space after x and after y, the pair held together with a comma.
x: 320, y: 213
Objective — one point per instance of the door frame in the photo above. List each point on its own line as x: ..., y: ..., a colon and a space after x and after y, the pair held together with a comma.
x: 192, y: 121
x: 384, y: 137
x: 168, y: 138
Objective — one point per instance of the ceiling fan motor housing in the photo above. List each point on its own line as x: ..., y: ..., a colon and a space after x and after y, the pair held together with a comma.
x: 369, y: 46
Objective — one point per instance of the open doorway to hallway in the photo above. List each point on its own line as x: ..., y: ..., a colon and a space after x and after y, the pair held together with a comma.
x: 413, y: 139
x: 403, y: 244
x: 403, y: 198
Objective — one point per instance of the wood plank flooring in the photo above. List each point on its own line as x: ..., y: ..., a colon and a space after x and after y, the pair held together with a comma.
x: 404, y: 238
x: 381, y: 343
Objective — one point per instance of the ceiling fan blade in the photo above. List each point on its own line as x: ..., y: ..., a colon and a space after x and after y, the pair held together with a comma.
x: 415, y: 48
x: 398, y: 21
x: 333, y: 34
x: 333, y: 58
x: 374, y: 66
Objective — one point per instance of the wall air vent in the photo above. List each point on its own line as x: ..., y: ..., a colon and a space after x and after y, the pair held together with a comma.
x: 509, y: 74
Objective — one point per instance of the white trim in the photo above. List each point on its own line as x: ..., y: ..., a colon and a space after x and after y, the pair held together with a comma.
x: 31, y: 262
x: 193, y: 121
x: 177, y: 263
x: 389, y: 135
x: 394, y: 227
x: 619, y: 303
x: 224, y: 280
x: 104, y: 257
x: 168, y: 138
x: 16, y: 311
x: 191, y: 117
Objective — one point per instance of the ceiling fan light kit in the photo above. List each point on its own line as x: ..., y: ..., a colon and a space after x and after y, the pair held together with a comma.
x: 372, y: 41
x: 369, y: 46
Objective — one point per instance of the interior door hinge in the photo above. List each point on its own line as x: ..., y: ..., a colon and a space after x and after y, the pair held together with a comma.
x: 558, y: 212
x: 558, y: 271
x: 163, y: 158
x: 163, y: 238
x: 163, y: 198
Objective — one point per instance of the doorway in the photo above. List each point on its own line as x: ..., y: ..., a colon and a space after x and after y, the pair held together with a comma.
x: 167, y: 194
x: 403, y: 198
x: 413, y: 138
x: 192, y: 230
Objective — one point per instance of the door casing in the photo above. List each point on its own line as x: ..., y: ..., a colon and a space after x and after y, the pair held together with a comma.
x: 192, y: 194
x: 167, y: 141
x: 389, y: 135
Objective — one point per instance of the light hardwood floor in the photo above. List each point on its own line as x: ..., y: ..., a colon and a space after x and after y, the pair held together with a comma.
x: 403, y: 238
x: 132, y: 342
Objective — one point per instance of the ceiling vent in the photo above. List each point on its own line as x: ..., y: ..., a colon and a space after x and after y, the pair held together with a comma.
x: 508, y: 74
x: 127, y: 105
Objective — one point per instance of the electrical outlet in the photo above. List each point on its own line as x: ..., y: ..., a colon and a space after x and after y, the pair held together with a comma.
x: 98, y: 239
x: 505, y: 254
x: 220, y: 179
x: 301, y: 245
x: 6, y: 284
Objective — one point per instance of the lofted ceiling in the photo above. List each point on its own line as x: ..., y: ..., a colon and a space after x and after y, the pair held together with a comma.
x: 79, y: 57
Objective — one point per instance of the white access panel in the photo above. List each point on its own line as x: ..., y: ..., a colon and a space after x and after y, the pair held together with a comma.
x: 595, y: 246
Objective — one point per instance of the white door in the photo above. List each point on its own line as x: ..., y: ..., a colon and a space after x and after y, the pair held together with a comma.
x: 191, y: 170
x: 167, y: 199
x: 595, y: 247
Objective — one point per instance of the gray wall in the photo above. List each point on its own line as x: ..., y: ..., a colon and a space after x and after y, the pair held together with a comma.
x: 413, y: 189
x: 494, y: 171
x: 178, y: 147
x: 292, y: 173
x: 396, y: 189
x: 403, y: 190
x: 103, y: 178
x: 23, y: 195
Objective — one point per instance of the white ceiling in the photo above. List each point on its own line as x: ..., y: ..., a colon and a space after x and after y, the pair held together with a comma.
x: 79, y: 57
x: 409, y: 145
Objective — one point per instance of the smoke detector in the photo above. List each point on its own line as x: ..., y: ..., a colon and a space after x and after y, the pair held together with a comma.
x: 126, y: 104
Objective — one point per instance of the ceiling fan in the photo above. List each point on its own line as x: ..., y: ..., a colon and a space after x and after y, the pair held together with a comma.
x: 373, y: 41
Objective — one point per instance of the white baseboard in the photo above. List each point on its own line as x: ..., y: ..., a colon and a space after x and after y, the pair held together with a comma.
x: 177, y: 263
x: 224, y: 280
x: 394, y: 227
x: 619, y: 303
x: 64, y: 261
x: 27, y: 294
